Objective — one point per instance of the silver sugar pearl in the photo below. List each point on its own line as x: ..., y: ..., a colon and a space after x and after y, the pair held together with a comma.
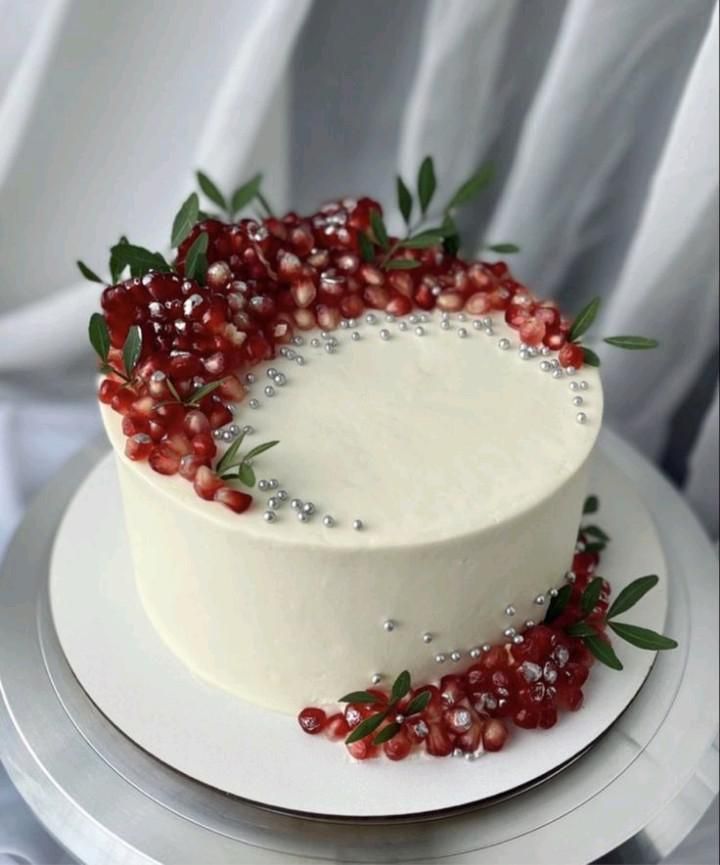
x: 296, y: 504
x: 227, y: 436
x: 298, y: 340
x: 330, y: 347
x: 218, y: 434
x: 344, y: 324
x: 529, y: 623
x: 254, y: 403
x: 269, y: 516
x: 574, y: 385
x: 302, y: 517
x: 486, y: 647
x: 504, y: 344
x: 518, y: 639
x: 269, y: 390
x: 553, y: 593
x: 545, y: 351
x: 234, y: 429
x: 570, y: 370
x: 524, y: 354
x: 427, y: 637
x: 390, y: 319
x: 558, y: 373
x: 271, y: 372
x: 584, y: 385
x: 510, y: 610
x: 462, y: 317
x: 273, y: 503
x: 371, y: 318
x: 509, y: 633
x: 357, y: 525
x: 385, y: 334
x: 581, y: 417
x: 300, y: 360
x: 455, y: 656
x: 273, y: 483
x: 328, y: 521
x: 403, y: 326
x: 540, y: 600
x: 263, y: 486
x: 462, y: 332
x: 248, y: 430
x: 399, y: 719
x: 376, y: 678
x: 315, y: 342
x: 486, y: 321
x: 475, y: 652
x: 325, y: 334
x: 282, y: 495
x: 280, y: 379
x: 413, y: 319
x: 250, y: 378
x: 577, y: 401
x: 458, y: 752
x: 445, y: 325
x: 471, y: 757
x: 570, y: 577
x: 419, y: 331
x: 355, y: 336
x: 545, y: 366
x: 389, y: 625
x: 440, y: 658
x: 308, y: 508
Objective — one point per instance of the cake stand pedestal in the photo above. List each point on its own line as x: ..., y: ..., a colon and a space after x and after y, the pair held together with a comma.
x: 632, y: 798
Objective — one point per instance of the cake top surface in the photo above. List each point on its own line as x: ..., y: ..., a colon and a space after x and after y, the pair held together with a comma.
x: 421, y: 433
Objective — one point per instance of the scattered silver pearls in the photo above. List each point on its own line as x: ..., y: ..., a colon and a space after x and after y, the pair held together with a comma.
x: 504, y: 344
x: 518, y: 639
x: 584, y: 385
x: 413, y: 319
x: 577, y: 400
x: 273, y: 483
x: 403, y: 326
x: 570, y: 577
x: 355, y: 336
x: 462, y: 332
x: 581, y: 417
x: 524, y: 354
x: 540, y: 600
x: 315, y: 342
x: 357, y: 525
x: 269, y: 516
x: 427, y: 637
x: 227, y: 436
x: 455, y: 656
x: 298, y: 340
x: 553, y: 593
x: 300, y: 360
x: 263, y: 486
x: 458, y: 752
x: 282, y: 495
x: 296, y: 504
x: 330, y: 347
x: 389, y: 625
x: 390, y: 318
x: 273, y: 503
x: 280, y: 379
x: 250, y: 378
x: 419, y: 331
x: 545, y: 365
x: 570, y: 370
x: 371, y: 318
x: 486, y: 647
x: 440, y: 658
x: 558, y: 373
x: 271, y: 372
x: 248, y: 430
x: 574, y: 385
x: 217, y: 434
x: 344, y: 324
x: 302, y: 517
x: 385, y: 334
x: 325, y: 334
x: 308, y: 508
x: 328, y: 521
x: 475, y: 652
x: 530, y: 623
x: 509, y: 633
x: 462, y: 317
x: 510, y: 610
x: 477, y: 324
x: 376, y: 678
x: 269, y: 390
x: 254, y: 403
x: 545, y: 351
x: 445, y: 324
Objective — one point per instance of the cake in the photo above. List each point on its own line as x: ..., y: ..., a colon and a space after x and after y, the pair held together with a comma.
x: 415, y: 429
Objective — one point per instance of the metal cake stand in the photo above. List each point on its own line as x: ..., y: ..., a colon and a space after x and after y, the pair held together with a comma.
x: 632, y: 797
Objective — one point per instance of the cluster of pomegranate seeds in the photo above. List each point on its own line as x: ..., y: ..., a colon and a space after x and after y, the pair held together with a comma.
x: 265, y: 281
x: 524, y: 685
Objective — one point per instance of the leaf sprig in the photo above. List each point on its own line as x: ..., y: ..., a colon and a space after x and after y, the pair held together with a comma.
x: 195, y: 397
x: 230, y: 467
x: 400, y: 689
x: 241, y: 198
x: 584, y: 321
x: 100, y: 341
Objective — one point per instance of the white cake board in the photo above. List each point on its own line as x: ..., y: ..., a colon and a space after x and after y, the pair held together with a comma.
x: 236, y: 747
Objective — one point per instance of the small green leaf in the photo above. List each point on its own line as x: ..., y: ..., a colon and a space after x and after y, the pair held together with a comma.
x: 210, y: 190
x: 604, y: 652
x: 591, y: 595
x: 364, y: 728
x: 633, y: 343
x: 592, y: 503
x: 631, y: 594
x: 595, y: 532
x: 379, y: 231
x: 387, y: 733
x: 451, y: 244
x: 594, y: 546
x: 402, y: 264
x: 99, y: 336
x: 137, y: 258
x: 643, y: 638
x: 246, y: 474
x: 226, y: 461
x: 472, y: 186
x: 87, y: 273
x: 589, y: 357
x: 244, y: 194
x: 115, y: 266
x: 132, y: 349
x: 558, y: 603
x: 584, y: 319
x: 504, y: 248
x: 400, y: 687
x: 173, y: 391
x: 359, y: 697
x: 185, y: 219
x: 196, y: 259
x: 426, y: 183
x: 405, y: 200
x: 423, y: 241
x: 581, y: 629
x: 367, y: 249
x: 204, y: 390
x: 259, y: 449
x: 418, y: 703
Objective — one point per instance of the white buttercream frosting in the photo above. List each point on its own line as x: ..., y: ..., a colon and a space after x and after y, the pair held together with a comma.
x: 466, y: 466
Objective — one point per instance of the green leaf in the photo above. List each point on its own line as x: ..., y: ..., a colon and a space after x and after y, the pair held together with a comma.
x: 379, y: 231
x: 210, y: 190
x: 584, y: 319
x: 643, y: 638
x: 259, y: 449
x: 226, y: 461
x: 115, y: 266
x: 196, y: 259
x: 137, y: 258
x: 633, y: 343
x: 631, y: 594
x: 418, y: 703
x: 99, y: 336
x: 472, y: 186
x: 595, y: 532
x: 400, y: 687
x: 173, y: 390
x: 591, y: 595
x: 244, y: 194
x: 426, y: 183
x: 558, y: 603
x: 581, y: 629
x: 87, y: 273
x: 359, y: 697
x: 402, y: 264
x: 505, y: 248
x: 592, y: 503
x: 594, y: 546
x: 604, y: 652
x: 364, y: 728
x: 387, y: 733
x: 423, y: 241
x: 246, y: 474
x: 185, y: 219
x: 204, y: 390
x: 451, y: 244
x: 367, y: 249
x: 405, y: 200
x: 589, y: 357
x: 132, y: 349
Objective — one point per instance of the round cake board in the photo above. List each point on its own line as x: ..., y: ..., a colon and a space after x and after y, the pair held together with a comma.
x: 234, y: 746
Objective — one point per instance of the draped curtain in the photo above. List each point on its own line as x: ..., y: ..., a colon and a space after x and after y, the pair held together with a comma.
x: 601, y: 117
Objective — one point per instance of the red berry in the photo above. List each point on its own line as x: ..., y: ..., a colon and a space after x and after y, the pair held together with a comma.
x: 312, y: 720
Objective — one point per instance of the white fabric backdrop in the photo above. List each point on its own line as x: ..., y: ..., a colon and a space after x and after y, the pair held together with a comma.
x: 601, y: 115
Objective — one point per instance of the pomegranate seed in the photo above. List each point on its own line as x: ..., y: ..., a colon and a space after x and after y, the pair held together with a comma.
x: 305, y: 319
x: 232, y: 389
x: 302, y: 240
x: 179, y: 442
x: 203, y: 446
x: 289, y: 265
x: 337, y: 727
x: 312, y: 720
x: 236, y: 500
x: 494, y: 735
x: 219, y: 415
x: 458, y: 719
x: 571, y: 354
x: 164, y: 460
x: 206, y: 483
x: 376, y: 297
x: 398, y: 305
x: 123, y: 400
x: 439, y: 742
x: 138, y: 447
x: 107, y: 390
x: 471, y: 739
x: 548, y: 315
x: 452, y: 689
x: 555, y: 340
x: 424, y: 297
x: 328, y: 317
x: 218, y: 275
x: 189, y: 465
x: 547, y: 717
x: 354, y: 713
x: 527, y: 718
x: 196, y: 423
x: 132, y: 426
x: 499, y: 298
x: 516, y: 316
x: 303, y: 292
x: 478, y: 304
x: 351, y: 306
x: 362, y: 749
x: 532, y: 331
x: 398, y: 747
x: 450, y: 301
x: 371, y: 275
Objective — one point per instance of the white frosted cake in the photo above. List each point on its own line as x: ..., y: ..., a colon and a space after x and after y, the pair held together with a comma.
x: 356, y: 460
